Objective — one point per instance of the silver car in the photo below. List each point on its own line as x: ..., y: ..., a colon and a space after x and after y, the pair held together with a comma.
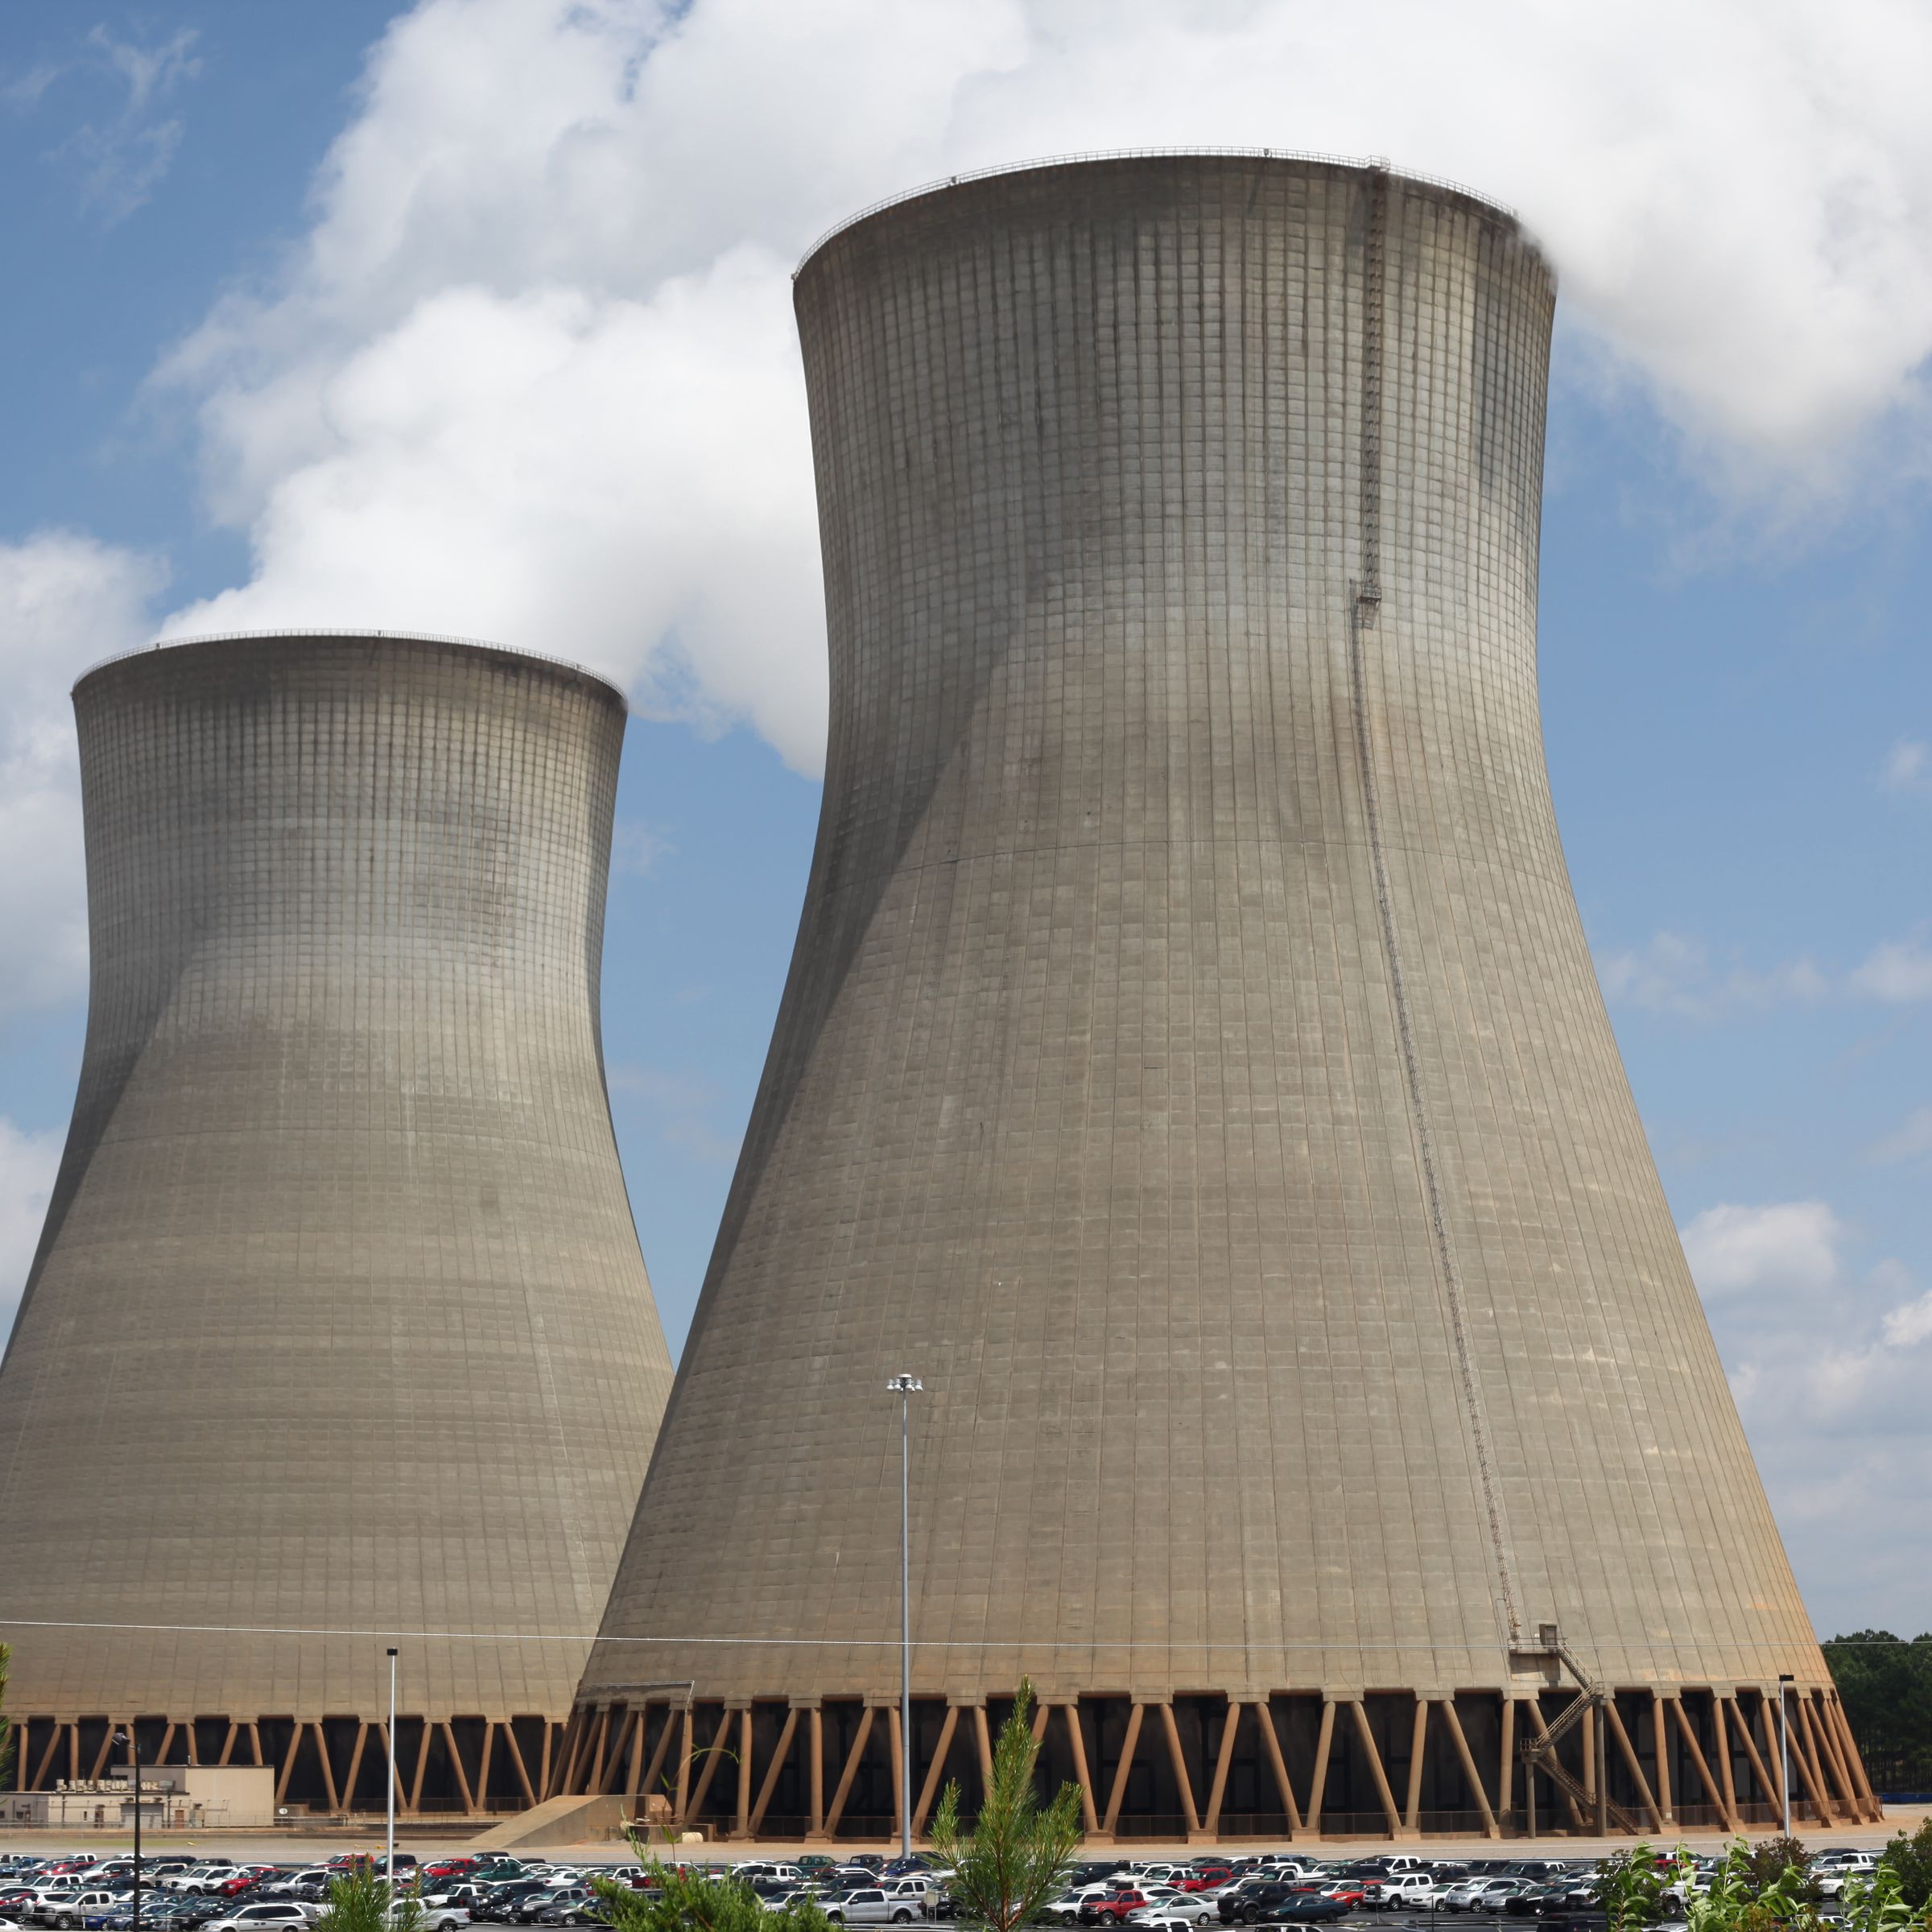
x: 871, y: 1905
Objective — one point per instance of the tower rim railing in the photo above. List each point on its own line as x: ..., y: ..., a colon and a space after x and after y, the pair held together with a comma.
x: 363, y: 631
x: 1360, y: 163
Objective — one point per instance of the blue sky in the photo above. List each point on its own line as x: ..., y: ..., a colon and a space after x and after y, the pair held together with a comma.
x: 481, y: 327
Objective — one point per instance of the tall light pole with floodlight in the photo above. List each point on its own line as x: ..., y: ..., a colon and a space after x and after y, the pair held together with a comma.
x: 905, y: 1387
x: 388, y: 1865
x: 134, y: 1785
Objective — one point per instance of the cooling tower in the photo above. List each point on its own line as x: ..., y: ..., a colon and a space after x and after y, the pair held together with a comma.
x: 1192, y: 1069
x: 338, y: 1335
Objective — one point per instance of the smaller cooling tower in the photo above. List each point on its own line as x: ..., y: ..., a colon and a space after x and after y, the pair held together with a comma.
x: 339, y: 1327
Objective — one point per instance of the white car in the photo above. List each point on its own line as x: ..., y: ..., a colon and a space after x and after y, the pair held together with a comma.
x: 1185, y: 1908
x: 1859, y: 1867
x: 1065, y: 1910
x: 210, y: 1871
x: 1415, y: 1889
x: 283, y: 1916
x: 1481, y: 1894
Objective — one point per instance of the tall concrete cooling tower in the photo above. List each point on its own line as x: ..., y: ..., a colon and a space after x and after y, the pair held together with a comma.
x: 1192, y: 1069
x: 339, y: 1326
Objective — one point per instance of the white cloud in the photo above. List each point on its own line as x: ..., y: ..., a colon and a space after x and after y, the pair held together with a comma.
x: 1907, y: 771
x: 1908, y: 1141
x: 1907, y: 1327
x: 682, y: 1108
x: 64, y: 601
x: 121, y: 159
x: 636, y: 847
x: 1764, y: 1251
x: 1674, y: 973
x: 1899, y: 972
x: 27, y: 1165
x: 605, y: 479
x: 532, y: 375
x: 1828, y: 1364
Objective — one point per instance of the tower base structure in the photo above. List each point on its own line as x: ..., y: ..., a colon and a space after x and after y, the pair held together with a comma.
x: 446, y: 1768
x: 1219, y: 1767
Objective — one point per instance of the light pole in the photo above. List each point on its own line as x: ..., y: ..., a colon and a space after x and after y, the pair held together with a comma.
x: 1784, y: 1751
x: 905, y: 1387
x: 388, y: 1862
x: 134, y: 1785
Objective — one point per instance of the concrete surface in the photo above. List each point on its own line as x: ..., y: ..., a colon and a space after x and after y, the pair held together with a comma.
x: 339, y: 1323
x: 1192, y: 1065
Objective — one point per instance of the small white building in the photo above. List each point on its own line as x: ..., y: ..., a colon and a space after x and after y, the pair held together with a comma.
x: 174, y: 1797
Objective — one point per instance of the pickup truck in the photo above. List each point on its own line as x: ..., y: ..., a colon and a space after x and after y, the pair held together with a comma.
x: 67, y: 1910
x: 1115, y: 1908
x: 871, y: 1905
x: 1402, y: 1888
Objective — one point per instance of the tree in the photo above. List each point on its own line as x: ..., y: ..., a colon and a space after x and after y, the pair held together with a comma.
x: 1753, y: 1890
x: 361, y: 1901
x: 1909, y: 1858
x: 1783, y: 1866
x: 1629, y: 1887
x: 676, y: 1899
x: 1886, y: 1686
x: 1017, y: 1855
x: 1880, y: 1905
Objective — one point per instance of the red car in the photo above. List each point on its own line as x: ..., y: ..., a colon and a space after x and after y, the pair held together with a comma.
x: 242, y: 1878
x: 1207, y: 1878
x: 450, y: 1868
x: 1112, y: 1907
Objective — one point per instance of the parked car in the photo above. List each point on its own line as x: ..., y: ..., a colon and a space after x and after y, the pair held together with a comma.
x: 69, y: 1913
x: 532, y: 1908
x: 243, y: 1878
x: 870, y: 1906
x: 1859, y: 1866
x: 1183, y: 1909
x: 1065, y: 1910
x: 1352, y: 1891
x: 1306, y: 1908
x: 207, y: 1871
x: 1481, y: 1894
x: 1114, y: 1908
x: 66, y: 1910
x: 1413, y: 1888
x: 276, y: 1915
x: 507, y: 1900
x: 1207, y: 1878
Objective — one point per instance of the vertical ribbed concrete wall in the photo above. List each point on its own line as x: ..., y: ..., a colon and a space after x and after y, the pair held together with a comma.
x: 339, y: 1321
x: 1192, y: 1065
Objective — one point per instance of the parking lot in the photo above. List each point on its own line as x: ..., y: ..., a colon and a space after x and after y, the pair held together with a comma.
x: 181, y: 1891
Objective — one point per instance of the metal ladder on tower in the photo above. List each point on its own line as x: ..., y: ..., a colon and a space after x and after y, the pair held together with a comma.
x: 1540, y: 1753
